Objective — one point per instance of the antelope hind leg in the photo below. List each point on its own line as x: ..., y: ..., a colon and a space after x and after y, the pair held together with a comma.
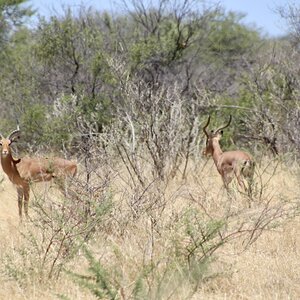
x: 26, y: 199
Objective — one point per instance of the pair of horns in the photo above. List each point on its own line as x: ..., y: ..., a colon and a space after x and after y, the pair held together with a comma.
x: 14, y: 134
x: 219, y: 129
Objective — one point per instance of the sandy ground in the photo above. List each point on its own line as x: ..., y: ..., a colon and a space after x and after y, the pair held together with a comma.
x: 9, y: 220
x: 268, y: 269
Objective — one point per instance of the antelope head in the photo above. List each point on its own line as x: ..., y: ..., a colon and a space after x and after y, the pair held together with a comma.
x: 214, y: 135
x: 6, y: 142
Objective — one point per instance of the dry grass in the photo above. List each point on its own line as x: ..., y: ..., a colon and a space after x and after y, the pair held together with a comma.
x: 268, y: 268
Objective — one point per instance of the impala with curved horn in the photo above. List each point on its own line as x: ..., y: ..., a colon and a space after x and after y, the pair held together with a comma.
x: 23, y: 171
x: 229, y: 163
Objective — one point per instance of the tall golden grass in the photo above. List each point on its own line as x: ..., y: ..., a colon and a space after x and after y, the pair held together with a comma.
x: 148, y: 237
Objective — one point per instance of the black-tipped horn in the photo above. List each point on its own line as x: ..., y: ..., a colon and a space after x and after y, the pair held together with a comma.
x: 204, y: 128
x: 224, y: 126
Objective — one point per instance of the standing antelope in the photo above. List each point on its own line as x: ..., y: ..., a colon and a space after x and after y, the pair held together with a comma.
x: 229, y: 163
x: 23, y: 171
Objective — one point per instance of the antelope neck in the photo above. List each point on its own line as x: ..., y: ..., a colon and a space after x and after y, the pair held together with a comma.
x: 7, y: 164
x: 217, y: 151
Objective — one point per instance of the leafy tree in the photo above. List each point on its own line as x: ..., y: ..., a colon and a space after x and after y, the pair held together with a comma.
x: 71, y: 52
x: 73, y: 61
x: 229, y: 40
x: 13, y: 13
x: 14, y: 46
x: 18, y: 81
x: 184, y: 42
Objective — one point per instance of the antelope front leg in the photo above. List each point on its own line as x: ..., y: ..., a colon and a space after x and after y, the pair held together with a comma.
x: 20, y: 200
x: 227, y: 176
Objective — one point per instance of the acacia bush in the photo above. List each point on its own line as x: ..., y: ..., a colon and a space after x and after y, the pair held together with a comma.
x: 91, y: 56
x: 269, y: 100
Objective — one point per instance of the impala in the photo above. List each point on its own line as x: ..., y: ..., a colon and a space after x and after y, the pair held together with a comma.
x: 23, y: 171
x: 229, y: 163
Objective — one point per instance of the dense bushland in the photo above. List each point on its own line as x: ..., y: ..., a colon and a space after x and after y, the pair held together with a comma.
x: 90, y: 63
